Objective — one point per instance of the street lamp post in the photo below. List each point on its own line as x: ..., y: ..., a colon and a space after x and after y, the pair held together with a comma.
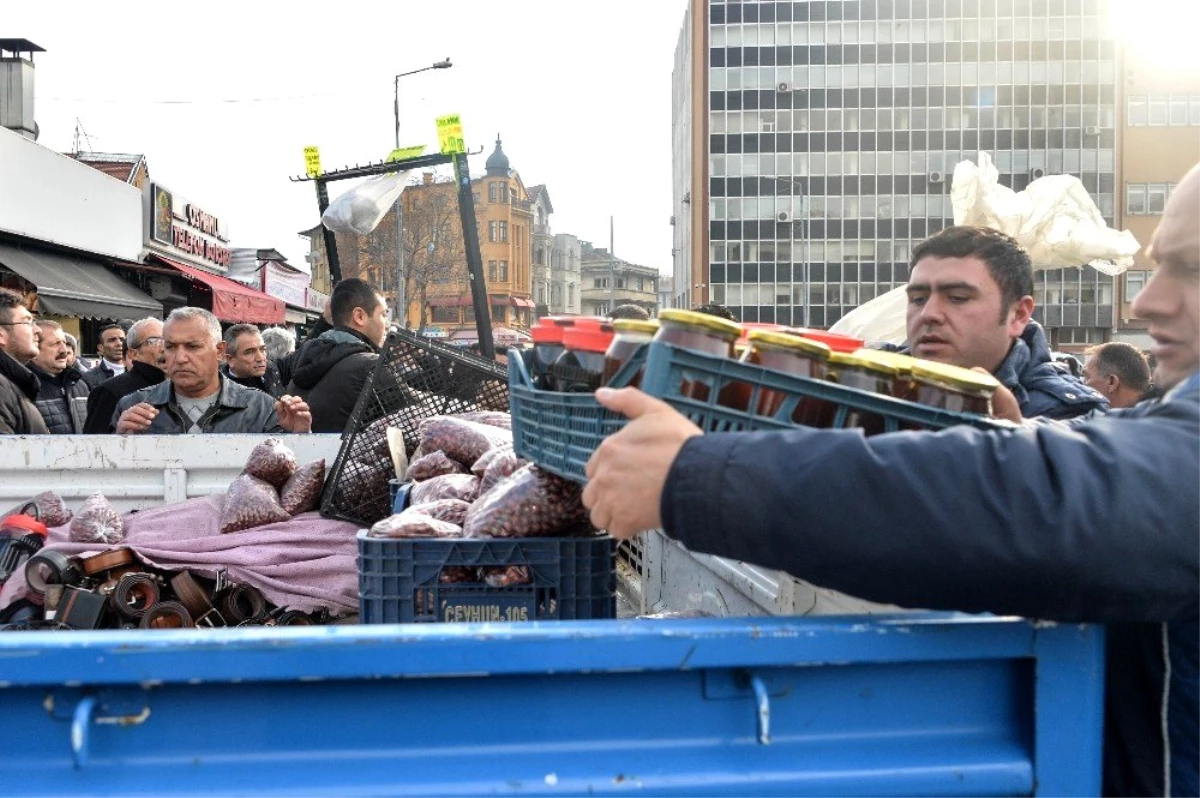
x: 401, y: 283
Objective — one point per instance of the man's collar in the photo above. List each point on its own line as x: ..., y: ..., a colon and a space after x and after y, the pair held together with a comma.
x: 230, y: 394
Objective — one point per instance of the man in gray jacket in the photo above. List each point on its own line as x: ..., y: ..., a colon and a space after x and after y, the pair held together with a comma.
x: 195, y: 398
x: 62, y: 396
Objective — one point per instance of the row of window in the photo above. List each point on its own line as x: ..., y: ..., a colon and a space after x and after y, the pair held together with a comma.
x: 498, y: 270
x: 499, y: 313
x: 780, y: 173
x: 1147, y: 199
x: 833, y: 10
x: 1020, y: 29
x: 853, y: 294
x: 1156, y: 110
x: 852, y: 75
x: 636, y: 284
x: 985, y: 53
x: 556, y: 292
x: 1054, y: 96
x: 971, y: 116
x: 498, y: 191
x: 839, y: 207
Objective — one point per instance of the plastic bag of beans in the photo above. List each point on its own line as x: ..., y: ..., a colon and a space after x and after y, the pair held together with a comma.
x: 251, y: 502
x: 499, y: 468
x: 461, y: 440
x: 530, y: 503
x: 464, y: 487
x: 302, y: 492
x: 453, y: 511
x: 434, y: 464
x: 97, y: 522
x: 52, y: 510
x: 272, y: 462
x: 489, y: 417
x: 414, y: 524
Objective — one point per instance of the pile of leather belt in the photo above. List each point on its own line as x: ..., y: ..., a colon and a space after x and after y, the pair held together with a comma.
x: 115, y: 589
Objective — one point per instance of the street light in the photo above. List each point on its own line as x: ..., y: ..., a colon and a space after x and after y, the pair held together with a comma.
x: 401, y: 299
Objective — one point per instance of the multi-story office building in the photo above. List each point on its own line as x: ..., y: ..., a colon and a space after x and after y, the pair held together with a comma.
x: 815, y: 142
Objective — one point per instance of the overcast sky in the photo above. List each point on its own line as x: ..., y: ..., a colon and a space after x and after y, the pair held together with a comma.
x: 580, y: 92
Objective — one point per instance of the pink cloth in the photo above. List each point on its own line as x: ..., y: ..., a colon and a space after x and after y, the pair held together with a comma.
x: 305, y: 563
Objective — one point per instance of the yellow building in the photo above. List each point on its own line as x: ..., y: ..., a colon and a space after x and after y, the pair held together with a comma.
x: 504, y: 215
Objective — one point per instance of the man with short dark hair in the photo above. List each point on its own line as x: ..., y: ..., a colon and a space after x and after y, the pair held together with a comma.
x: 629, y: 312
x: 18, y: 385
x: 332, y: 369
x: 62, y: 393
x: 195, y: 398
x: 112, y: 355
x: 970, y: 304
x: 145, y: 343
x: 246, y: 361
x: 1119, y: 371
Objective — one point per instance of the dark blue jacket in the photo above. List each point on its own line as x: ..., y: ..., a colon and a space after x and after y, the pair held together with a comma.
x: 1095, y: 521
x: 1041, y: 388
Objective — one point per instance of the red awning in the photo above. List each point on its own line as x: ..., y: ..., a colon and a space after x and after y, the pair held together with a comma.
x: 520, y: 302
x: 233, y: 301
x: 449, y: 302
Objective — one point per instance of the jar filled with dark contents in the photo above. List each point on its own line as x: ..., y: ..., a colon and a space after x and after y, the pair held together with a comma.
x: 857, y: 371
x: 952, y: 388
x: 580, y: 368
x: 794, y: 355
x: 709, y: 335
x: 628, y: 336
x: 903, y: 386
x: 547, y: 337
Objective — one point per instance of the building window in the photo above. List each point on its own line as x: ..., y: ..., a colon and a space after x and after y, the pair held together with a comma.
x: 445, y: 316
x: 491, y: 231
x: 1135, y: 281
x: 1135, y: 199
x: 1158, y: 109
x: 1137, y: 111
x: 541, y: 293
x: 492, y: 270
x: 620, y: 282
x: 491, y: 192
x: 504, y: 192
x: 641, y: 284
x: 1156, y: 198
x: 503, y: 271
x: 570, y: 294
x: 599, y: 282
x: 498, y: 313
x: 504, y: 232
x: 1179, y: 110
x: 1080, y: 335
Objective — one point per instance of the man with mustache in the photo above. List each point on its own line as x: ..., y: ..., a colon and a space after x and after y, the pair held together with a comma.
x: 970, y: 304
x: 145, y: 343
x: 62, y: 395
x: 195, y: 398
x: 1094, y: 520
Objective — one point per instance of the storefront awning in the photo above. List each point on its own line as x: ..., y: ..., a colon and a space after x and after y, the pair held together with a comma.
x: 232, y: 301
x: 77, y: 287
x: 520, y: 302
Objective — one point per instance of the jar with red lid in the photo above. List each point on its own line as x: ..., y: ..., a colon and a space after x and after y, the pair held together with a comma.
x: 794, y: 355
x: 857, y: 371
x: 709, y: 335
x: 547, y: 337
x: 580, y: 368
x: 628, y: 336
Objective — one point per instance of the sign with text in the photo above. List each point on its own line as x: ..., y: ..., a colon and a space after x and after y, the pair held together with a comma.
x: 312, y: 161
x: 404, y: 153
x: 183, y: 228
x: 450, y: 134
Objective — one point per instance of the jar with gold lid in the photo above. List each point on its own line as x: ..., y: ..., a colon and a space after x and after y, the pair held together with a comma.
x: 953, y: 388
x: 794, y: 355
x: 628, y: 336
x: 865, y: 373
x: 700, y: 332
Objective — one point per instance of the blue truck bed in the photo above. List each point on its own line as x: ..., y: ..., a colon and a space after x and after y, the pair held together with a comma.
x: 929, y: 704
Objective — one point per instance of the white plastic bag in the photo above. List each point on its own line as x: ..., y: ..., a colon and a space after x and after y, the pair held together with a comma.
x: 361, y: 209
x: 1054, y: 219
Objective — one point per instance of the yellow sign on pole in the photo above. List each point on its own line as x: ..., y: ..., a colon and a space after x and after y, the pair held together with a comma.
x: 312, y: 161
x: 450, y: 134
x: 404, y: 153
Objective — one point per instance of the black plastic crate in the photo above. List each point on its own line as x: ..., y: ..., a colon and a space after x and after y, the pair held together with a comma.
x: 414, y: 379
x: 399, y: 580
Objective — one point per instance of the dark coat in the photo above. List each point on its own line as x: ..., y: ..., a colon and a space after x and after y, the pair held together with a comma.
x: 238, y: 409
x: 1043, y: 389
x: 102, y: 401
x: 287, y: 363
x: 268, y: 383
x: 62, y: 400
x: 101, y: 372
x: 330, y: 375
x: 18, y: 391
x: 1092, y: 521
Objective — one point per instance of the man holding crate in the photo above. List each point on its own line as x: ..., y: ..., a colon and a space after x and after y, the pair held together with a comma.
x: 1093, y: 522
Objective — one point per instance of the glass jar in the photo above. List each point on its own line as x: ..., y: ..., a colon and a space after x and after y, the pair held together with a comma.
x: 953, y: 388
x: 856, y: 371
x: 835, y: 341
x: 547, y: 337
x: 794, y: 355
x: 709, y: 335
x: 628, y: 336
x: 580, y: 368
x: 903, y: 386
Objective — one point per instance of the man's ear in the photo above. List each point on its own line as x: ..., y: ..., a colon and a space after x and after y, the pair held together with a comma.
x: 1113, y: 384
x: 1019, y: 316
x: 222, y: 350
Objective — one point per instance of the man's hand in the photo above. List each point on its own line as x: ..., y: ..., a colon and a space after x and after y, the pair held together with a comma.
x: 1004, y: 405
x: 626, y: 474
x: 136, y: 419
x: 293, y: 414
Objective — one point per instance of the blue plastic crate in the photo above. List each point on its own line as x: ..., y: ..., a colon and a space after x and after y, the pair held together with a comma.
x: 398, y: 494
x: 559, y: 431
x: 401, y: 580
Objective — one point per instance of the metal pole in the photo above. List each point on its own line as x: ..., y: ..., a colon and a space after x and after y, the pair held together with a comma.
x: 612, y: 269
x: 401, y: 282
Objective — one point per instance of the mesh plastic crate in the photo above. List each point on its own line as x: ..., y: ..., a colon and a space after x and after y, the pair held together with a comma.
x: 414, y: 379
x: 559, y: 431
x: 401, y: 580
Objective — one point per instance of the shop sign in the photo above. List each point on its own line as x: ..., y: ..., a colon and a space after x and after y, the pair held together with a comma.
x: 282, y: 283
x: 182, y: 227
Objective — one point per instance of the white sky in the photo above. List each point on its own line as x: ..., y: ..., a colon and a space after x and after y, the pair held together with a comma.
x: 580, y: 92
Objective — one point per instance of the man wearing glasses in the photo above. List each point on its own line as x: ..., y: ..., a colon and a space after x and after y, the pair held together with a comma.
x: 18, y: 385
x: 145, y: 341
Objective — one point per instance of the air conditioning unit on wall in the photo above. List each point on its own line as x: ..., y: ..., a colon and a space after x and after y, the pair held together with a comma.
x: 783, y: 87
x: 783, y: 216
x: 1091, y: 130
x: 1037, y: 172
x: 937, y: 177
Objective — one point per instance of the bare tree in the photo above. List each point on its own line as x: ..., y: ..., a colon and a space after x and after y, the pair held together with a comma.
x: 433, y: 241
